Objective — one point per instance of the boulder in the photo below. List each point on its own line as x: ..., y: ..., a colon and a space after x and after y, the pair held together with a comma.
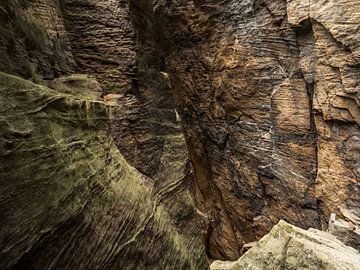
x: 291, y: 248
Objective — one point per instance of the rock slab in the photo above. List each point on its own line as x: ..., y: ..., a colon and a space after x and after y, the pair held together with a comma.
x: 291, y: 248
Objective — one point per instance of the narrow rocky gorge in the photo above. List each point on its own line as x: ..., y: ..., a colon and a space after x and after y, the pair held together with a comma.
x: 167, y: 134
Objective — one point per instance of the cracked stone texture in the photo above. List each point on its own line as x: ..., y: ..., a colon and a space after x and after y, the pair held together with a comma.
x: 335, y: 73
x: 70, y: 199
x: 289, y: 247
x: 268, y: 93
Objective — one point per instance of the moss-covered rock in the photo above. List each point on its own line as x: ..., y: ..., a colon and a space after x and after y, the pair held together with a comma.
x: 68, y: 198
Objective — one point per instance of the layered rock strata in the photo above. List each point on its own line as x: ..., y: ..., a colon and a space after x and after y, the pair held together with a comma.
x: 157, y: 227
x: 70, y: 200
x: 259, y: 98
x: 268, y: 95
x: 34, y: 42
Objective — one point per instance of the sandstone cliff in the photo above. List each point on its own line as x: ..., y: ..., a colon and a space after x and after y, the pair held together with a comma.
x: 247, y: 109
x: 268, y: 93
x: 71, y: 201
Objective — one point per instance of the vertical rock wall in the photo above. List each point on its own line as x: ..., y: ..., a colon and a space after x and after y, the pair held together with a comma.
x: 268, y: 94
x: 115, y: 42
x: 92, y: 210
x: 336, y: 75
x: 34, y: 42
x: 261, y: 96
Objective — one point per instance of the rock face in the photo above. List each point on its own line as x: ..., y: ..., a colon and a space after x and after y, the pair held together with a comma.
x: 336, y: 104
x: 268, y: 93
x: 345, y: 231
x: 75, y: 219
x: 289, y: 247
x: 247, y: 109
x: 70, y: 200
x: 115, y: 42
x: 34, y: 42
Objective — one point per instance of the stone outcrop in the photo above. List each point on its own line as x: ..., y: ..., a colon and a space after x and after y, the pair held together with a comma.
x: 289, y: 247
x: 345, y: 231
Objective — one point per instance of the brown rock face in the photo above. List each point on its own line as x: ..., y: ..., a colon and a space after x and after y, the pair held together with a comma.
x: 269, y: 99
x: 335, y: 72
x: 115, y: 42
x: 103, y: 41
x: 251, y: 107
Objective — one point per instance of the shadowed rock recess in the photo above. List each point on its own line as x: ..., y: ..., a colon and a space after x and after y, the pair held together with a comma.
x: 165, y: 134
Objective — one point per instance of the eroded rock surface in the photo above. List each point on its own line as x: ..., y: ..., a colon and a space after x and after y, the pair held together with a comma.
x: 34, y: 42
x: 246, y: 113
x: 115, y: 42
x: 268, y: 95
x: 107, y: 227
x: 345, y: 231
x: 289, y: 247
x: 253, y: 106
x: 70, y: 200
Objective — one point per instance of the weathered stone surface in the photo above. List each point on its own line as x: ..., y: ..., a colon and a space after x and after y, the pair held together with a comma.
x: 289, y: 247
x: 336, y: 75
x: 267, y: 93
x: 102, y: 38
x: 115, y: 42
x: 68, y: 198
x: 33, y: 41
x: 345, y: 231
x: 245, y: 109
x: 268, y: 96
x: 142, y: 121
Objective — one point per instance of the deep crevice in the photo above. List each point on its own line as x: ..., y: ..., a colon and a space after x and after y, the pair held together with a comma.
x: 310, y: 91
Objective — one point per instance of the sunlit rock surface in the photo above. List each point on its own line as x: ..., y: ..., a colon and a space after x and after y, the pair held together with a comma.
x: 268, y: 92
x: 289, y: 247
